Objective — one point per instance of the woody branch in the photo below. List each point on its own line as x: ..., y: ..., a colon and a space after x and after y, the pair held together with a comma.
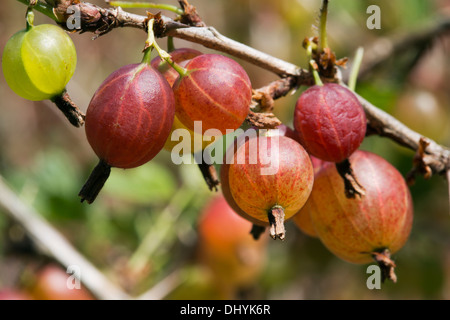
x: 432, y: 157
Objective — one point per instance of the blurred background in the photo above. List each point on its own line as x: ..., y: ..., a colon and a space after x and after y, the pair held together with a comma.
x: 146, y: 223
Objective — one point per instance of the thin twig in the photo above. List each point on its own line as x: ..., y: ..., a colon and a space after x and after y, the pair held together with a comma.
x: 437, y: 156
x: 100, y: 21
x: 55, y: 245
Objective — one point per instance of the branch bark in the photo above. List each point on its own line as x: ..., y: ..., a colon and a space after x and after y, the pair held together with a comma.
x: 437, y: 157
x: 102, y: 20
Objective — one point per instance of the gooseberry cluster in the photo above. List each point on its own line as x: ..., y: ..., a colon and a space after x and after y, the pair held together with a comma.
x: 134, y: 113
x: 266, y: 179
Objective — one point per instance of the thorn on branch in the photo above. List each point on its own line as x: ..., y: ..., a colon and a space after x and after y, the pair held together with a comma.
x: 190, y: 16
x: 419, y: 163
x: 265, y: 97
x: 264, y: 100
x: 263, y: 120
x: 159, y: 27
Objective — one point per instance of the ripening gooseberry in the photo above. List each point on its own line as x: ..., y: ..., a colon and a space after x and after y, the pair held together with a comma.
x: 127, y: 122
x: 330, y: 122
x: 357, y: 229
x: 282, y: 130
x: 302, y: 219
x: 216, y: 91
x: 180, y: 56
x: 272, y: 183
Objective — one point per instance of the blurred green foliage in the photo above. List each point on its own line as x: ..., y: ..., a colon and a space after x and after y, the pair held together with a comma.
x: 143, y: 225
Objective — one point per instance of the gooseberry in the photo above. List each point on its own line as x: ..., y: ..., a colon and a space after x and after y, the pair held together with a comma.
x: 38, y: 62
x: 330, y: 122
x: 282, y: 130
x: 14, y: 294
x: 180, y: 56
x: 127, y: 122
x: 270, y: 179
x: 216, y: 91
x: 359, y: 229
x: 302, y: 219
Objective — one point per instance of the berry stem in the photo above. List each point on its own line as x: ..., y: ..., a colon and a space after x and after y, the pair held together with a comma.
x: 41, y: 7
x: 315, y: 73
x: 170, y: 44
x: 276, y: 220
x: 314, y: 67
x: 387, y: 266
x: 355, y: 68
x: 30, y: 18
x: 209, y: 173
x: 323, y: 25
x: 151, y: 43
x: 69, y: 108
x: 138, y: 4
x: 95, y: 182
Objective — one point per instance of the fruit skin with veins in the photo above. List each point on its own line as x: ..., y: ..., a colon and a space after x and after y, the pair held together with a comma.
x: 216, y: 91
x: 271, y: 196
x: 127, y: 122
x: 225, y: 185
x: 330, y: 122
x: 353, y: 229
x: 226, y: 246
x: 302, y: 219
x: 283, y: 130
x: 180, y: 56
x: 129, y: 117
x: 39, y: 62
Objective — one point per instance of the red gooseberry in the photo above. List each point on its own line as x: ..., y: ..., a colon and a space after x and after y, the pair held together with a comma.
x: 329, y: 121
x: 127, y: 122
x: 360, y: 229
x: 272, y: 183
x: 216, y: 91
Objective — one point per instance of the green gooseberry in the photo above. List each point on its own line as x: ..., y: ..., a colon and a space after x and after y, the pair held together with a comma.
x: 39, y: 61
